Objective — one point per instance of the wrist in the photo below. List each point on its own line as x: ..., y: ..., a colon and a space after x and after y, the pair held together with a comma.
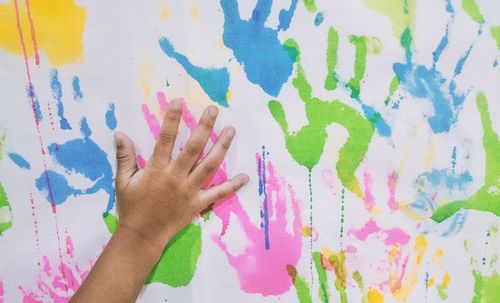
x: 137, y: 239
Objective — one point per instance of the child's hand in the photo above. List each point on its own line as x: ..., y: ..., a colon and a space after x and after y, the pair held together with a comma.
x: 158, y: 201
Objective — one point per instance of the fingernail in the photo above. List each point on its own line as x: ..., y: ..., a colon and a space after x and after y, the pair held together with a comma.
x: 230, y: 132
x: 212, y: 111
x: 175, y: 104
x: 244, y: 179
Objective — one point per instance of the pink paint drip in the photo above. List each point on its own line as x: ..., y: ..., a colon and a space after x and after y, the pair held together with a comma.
x: 1, y: 292
x: 259, y: 270
x: 57, y: 285
x: 392, y: 179
x: 393, y: 236
x: 369, y: 199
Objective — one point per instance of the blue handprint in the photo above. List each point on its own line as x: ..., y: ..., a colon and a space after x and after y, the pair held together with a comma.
x: 264, y: 58
x: 77, y: 156
x: 424, y: 82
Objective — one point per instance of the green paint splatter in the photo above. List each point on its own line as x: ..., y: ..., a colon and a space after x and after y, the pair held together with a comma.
x: 356, y: 276
x: 307, y: 144
x: 486, y: 289
x: 323, y: 290
x: 487, y: 198
x: 406, y: 39
x: 331, y: 59
x: 359, y: 64
x: 177, y: 264
x: 472, y: 9
x: 495, y: 33
x: 392, y: 89
x: 442, y: 291
x: 401, y: 13
x: 111, y: 222
x: 301, y: 287
x: 5, y: 211
x: 310, y: 5
x: 338, y: 262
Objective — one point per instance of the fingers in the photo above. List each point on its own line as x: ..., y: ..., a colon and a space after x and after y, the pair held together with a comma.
x: 196, y: 143
x: 222, y: 191
x: 168, y: 132
x: 125, y: 158
x: 208, y: 166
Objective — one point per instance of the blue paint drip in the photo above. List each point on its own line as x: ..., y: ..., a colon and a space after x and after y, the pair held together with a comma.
x: 495, y: 63
x: 449, y: 7
x: 214, y: 81
x: 19, y: 161
x: 378, y: 121
x: 461, y: 62
x: 110, y: 116
x: 265, y: 60
x: 286, y: 16
x: 456, y: 224
x: 264, y: 213
x: 56, y: 87
x: 77, y: 92
x: 83, y: 157
x: 453, y: 159
x: 319, y: 18
x: 30, y: 91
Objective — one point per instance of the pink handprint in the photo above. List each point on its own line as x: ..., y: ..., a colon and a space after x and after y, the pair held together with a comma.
x: 57, y: 285
x: 262, y: 266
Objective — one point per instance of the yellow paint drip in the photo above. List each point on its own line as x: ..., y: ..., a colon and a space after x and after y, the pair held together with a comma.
x: 306, y: 231
x: 431, y: 282
x: 165, y: 14
x: 446, y: 280
x: 58, y: 27
x: 229, y: 94
x: 374, y: 296
x: 194, y: 12
x: 438, y: 256
x: 420, y: 247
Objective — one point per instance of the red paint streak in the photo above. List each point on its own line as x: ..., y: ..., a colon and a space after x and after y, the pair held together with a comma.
x: 51, y: 117
x: 37, y: 122
x: 33, y: 34
x: 35, y: 223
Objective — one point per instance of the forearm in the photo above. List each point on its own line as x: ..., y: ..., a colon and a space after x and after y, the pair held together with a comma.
x: 121, y: 270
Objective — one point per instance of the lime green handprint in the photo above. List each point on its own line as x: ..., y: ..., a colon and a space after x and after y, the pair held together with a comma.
x: 307, y: 145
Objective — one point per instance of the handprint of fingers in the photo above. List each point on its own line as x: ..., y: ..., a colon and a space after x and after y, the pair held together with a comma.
x: 79, y: 156
x: 270, y: 247
x: 428, y: 82
x: 306, y: 146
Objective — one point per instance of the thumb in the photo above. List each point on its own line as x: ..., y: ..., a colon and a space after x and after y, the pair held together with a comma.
x: 125, y: 158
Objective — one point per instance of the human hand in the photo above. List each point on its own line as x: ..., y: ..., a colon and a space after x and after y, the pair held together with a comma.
x: 158, y: 201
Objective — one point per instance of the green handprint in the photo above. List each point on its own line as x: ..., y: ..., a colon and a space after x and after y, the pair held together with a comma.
x: 307, y: 145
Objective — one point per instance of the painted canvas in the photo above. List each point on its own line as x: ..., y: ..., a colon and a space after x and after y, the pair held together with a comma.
x: 370, y: 130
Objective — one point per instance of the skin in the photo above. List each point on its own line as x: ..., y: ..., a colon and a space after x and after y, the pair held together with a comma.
x: 155, y: 203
